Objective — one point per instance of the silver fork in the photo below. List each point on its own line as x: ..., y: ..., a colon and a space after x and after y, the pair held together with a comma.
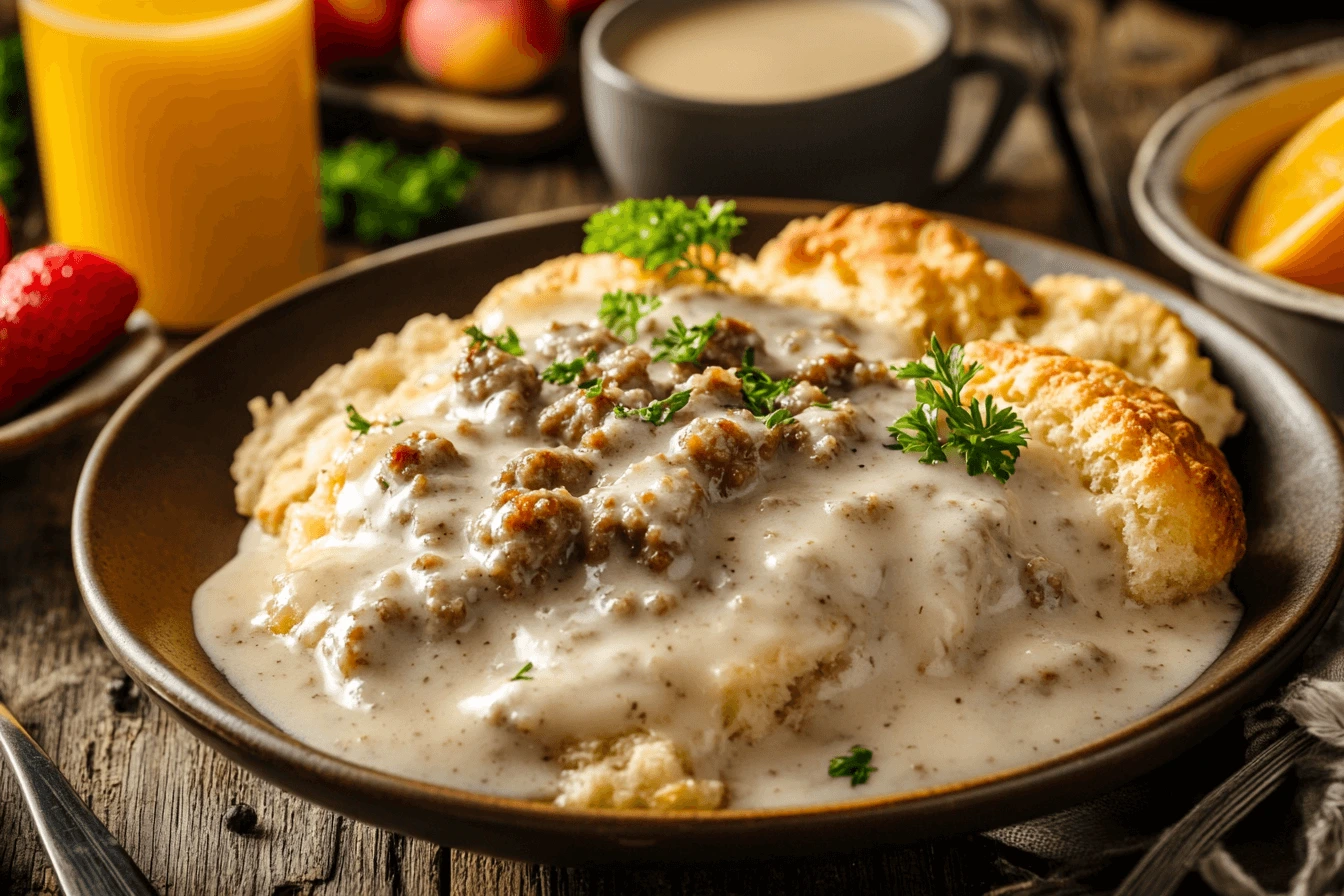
x: 87, y: 860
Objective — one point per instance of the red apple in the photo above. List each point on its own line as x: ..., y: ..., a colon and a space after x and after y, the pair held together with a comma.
x: 356, y: 29
x: 571, y: 8
x: 482, y: 46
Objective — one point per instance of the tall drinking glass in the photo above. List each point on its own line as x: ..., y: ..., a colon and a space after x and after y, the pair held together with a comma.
x: 179, y: 137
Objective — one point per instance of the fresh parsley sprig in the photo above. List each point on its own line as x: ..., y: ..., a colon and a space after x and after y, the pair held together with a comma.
x: 658, y: 411
x: 664, y: 232
x: 989, y: 438
x: 761, y: 393
x: 521, y: 674
x: 593, y: 388
x: 682, y: 344
x: 505, y: 342
x: 357, y: 422
x: 562, y: 373
x: 622, y: 311
x: 855, y: 765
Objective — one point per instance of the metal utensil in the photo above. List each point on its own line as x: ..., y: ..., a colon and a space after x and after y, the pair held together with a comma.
x: 87, y: 860
x: 1183, y: 844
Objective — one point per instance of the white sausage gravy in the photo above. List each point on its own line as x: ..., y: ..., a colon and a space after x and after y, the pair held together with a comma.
x: 517, y: 574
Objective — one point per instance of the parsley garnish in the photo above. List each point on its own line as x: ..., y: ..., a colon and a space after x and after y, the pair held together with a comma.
x: 360, y: 424
x: 761, y: 393
x: 386, y: 194
x: 664, y: 232
x: 521, y: 674
x: 357, y: 421
x: 622, y: 311
x: 563, y: 373
x: 853, y: 766
x: 824, y: 405
x: 382, y: 484
x: 593, y: 388
x: 682, y: 344
x: 989, y: 438
x: 657, y: 412
x: 505, y: 342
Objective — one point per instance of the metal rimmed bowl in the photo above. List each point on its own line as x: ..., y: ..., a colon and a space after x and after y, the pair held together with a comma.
x: 154, y: 517
x: 1188, y: 179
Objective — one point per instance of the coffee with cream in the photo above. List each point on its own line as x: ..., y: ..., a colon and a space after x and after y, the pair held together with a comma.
x: 768, y: 51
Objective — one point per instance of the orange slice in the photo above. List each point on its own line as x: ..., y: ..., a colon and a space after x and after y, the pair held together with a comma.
x: 1292, y: 221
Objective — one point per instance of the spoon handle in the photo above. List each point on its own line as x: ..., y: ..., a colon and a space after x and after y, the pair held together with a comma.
x: 86, y: 858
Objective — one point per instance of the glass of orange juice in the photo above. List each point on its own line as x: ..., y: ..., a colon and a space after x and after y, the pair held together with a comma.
x: 179, y: 137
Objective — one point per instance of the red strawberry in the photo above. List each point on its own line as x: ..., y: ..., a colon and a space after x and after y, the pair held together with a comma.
x: 59, y: 307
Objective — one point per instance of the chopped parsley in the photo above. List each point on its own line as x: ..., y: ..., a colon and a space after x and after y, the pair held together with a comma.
x: 855, y: 766
x: 562, y: 373
x: 657, y: 412
x: 360, y: 424
x: 989, y: 438
x: 521, y: 674
x: 622, y: 311
x: 824, y: 405
x: 505, y: 342
x: 682, y: 344
x: 664, y: 232
x: 382, y: 483
x: 761, y: 393
x: 357, y: 421
x: 593, y: 388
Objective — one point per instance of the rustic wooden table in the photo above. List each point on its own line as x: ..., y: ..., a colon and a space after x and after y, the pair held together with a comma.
x: 166, y: 796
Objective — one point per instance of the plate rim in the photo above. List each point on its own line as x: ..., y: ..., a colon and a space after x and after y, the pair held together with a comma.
x: 280, y: 758
x: 109, y: 376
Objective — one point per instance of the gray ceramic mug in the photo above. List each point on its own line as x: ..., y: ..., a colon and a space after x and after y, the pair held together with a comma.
x: 880, y: 142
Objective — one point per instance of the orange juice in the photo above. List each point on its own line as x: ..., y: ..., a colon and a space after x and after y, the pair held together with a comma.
x: 179, y: 137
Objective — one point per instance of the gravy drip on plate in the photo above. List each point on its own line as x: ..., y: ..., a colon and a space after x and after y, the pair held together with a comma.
x: 763, y: 598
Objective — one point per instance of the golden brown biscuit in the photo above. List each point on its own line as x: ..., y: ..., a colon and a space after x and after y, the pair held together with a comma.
x: 1101, y: 319
x: 1167, y: 492
x: 279, y: 461
x: 893, y: 263
x: 591, y: 275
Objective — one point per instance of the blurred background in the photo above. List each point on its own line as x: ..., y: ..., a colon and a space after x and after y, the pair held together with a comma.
x: 1101, y: 73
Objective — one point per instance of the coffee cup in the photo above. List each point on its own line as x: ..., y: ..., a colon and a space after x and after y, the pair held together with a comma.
x: 875, y: 141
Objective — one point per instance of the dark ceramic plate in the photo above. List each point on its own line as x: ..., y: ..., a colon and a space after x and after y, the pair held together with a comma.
x: 154, y: 516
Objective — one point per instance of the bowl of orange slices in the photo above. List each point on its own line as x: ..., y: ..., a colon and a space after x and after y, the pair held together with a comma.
x: 1241, y: 182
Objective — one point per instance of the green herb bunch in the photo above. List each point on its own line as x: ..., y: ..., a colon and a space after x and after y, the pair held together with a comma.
x: 507, y: 341
x: 386, y: 194
x: 682, y: 344
x: 855, y: 765
x: 761, y: 393
x: 14, y: 127
x: 664, y: 232
x: 621, y: 312
x: 989, y: 438
x: 562, y: 373
x: 658, y: 411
